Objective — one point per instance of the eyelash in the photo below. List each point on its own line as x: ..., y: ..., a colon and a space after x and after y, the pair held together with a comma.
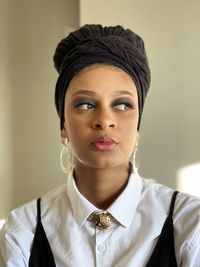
x: 92, y: 104
x: 126, y: 107
x: 81, y: 103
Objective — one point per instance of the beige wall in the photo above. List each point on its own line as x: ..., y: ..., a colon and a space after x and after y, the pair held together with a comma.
x: 170, y: 130
x: 29, y: 135
x: 5, y: 128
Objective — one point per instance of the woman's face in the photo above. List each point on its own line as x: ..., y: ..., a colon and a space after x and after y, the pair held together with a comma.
x: 101, y: 117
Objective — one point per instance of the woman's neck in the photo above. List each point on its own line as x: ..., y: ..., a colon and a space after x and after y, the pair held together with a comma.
x: 101, y: 186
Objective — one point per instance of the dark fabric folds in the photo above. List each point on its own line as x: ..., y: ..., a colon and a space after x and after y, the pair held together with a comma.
x: 97, y: 44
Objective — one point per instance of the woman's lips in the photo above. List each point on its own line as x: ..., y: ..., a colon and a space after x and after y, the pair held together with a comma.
x: 104, y: 143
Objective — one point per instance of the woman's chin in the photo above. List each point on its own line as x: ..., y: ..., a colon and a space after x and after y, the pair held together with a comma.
x: 101, y: 163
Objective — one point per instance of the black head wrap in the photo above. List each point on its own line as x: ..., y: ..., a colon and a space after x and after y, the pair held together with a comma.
x: 97, y: 44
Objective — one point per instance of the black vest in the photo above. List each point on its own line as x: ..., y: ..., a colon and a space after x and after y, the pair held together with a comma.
x: 163, y: 254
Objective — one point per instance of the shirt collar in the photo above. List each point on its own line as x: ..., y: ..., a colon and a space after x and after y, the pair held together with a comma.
x: 122, y: 209
x: 81, y: 207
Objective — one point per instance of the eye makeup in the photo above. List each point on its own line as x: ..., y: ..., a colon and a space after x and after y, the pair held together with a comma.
x: 80, y: 101
x: 88, y: 102
x: 126, y: 101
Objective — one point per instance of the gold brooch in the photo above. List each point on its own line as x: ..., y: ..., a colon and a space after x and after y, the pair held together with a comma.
x: 102, y: 220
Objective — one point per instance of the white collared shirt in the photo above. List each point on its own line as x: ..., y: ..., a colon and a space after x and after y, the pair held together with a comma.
x: 140, y: 212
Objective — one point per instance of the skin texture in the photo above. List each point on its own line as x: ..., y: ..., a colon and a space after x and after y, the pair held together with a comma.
x: 101, y: 102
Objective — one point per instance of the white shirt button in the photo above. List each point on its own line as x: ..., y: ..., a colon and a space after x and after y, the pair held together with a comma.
x: 102, y: 248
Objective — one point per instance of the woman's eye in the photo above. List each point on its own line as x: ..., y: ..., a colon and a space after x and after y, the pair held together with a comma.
x: 123, y: 107
x: 85, y: 106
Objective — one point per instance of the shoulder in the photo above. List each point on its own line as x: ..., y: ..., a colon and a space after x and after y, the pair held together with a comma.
x: 27, y: 213
x: 186, y: 215
x: 186, y: 218
x: 21, y: 222
x: 187, y: 228
x: 162, y: 195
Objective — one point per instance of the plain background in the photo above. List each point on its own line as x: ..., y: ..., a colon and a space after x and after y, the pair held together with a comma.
x: 29, y: 126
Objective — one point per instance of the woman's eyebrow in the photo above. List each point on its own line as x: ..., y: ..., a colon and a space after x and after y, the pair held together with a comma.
x: 123, y: 92
x: 91, y: 93
x: 84, y: 92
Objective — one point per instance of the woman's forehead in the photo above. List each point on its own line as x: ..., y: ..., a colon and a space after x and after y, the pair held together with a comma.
x: 99, y: 78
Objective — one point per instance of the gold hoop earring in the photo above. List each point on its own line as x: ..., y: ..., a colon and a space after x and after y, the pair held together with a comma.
x: 67, y: 153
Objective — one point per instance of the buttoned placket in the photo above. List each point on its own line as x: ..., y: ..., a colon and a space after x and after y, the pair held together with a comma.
x: 102, y: 245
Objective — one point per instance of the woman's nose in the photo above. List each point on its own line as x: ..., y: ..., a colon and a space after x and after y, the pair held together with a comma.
x: 103, y: 121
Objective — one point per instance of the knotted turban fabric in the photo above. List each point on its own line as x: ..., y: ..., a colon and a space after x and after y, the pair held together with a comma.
x: 97, y: 44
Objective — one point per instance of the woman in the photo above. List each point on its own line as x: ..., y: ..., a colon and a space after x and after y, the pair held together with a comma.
x: 106, y: 215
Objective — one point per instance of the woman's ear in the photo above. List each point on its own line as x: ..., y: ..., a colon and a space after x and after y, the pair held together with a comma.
x: 63, y: 133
